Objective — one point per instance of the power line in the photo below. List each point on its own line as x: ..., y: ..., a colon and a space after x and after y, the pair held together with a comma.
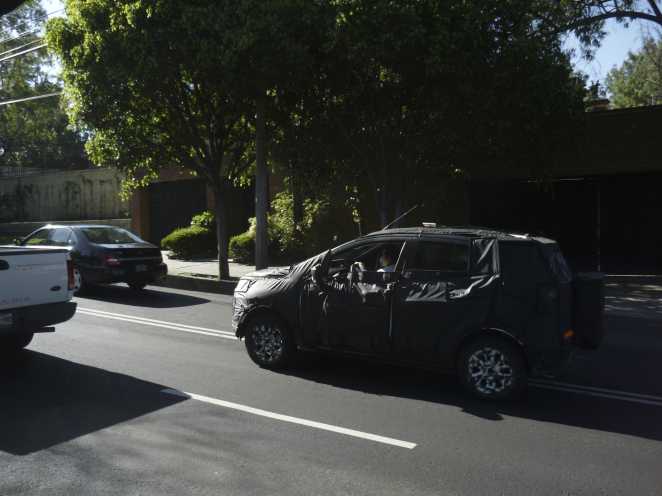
x: 23, y: 52
x: 29, y: 98
x: 25, y: 33
x: 22, y: 46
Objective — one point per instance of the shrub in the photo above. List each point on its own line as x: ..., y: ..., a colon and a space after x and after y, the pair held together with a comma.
x: 188, y: 242
x: 206, y: 220
x: 242, y: 247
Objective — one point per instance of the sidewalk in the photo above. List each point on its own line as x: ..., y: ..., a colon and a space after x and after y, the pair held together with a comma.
x: 207, y: 268
x: 201, y: 275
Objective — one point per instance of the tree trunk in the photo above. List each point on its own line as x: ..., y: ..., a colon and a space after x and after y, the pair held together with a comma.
x: 261, y: 187
x: 220, y: 209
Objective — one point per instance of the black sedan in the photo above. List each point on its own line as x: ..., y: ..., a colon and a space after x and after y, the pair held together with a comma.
x: 103, y: 254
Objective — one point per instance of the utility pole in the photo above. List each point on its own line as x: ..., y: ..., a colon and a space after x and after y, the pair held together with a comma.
x: 261, y: 186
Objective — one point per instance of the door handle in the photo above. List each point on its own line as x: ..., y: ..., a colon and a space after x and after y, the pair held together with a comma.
x: 4, y: 265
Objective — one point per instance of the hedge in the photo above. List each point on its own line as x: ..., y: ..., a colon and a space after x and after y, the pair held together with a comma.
x: 189, y: 242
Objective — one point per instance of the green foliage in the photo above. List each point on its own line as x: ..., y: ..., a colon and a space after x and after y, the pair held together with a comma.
x: 35, y: 133
x: 289, y: 241
x: 242, y: 246
x: 298, y: 240
x: 189, y: 242
x: 639, y: 80
x: 205, y: 220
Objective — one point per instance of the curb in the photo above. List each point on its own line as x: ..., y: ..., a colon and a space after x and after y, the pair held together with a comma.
x: 224, y: 287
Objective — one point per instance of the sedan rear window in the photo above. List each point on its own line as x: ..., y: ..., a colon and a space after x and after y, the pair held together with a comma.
x: 109, y: 236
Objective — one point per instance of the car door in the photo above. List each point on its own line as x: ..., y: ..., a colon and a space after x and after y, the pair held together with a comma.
x: 352, y: 312
x: 431, y: 302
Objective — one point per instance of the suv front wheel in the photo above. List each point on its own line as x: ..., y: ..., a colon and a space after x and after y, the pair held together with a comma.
x: 492, y: 368
x: 269, y: 342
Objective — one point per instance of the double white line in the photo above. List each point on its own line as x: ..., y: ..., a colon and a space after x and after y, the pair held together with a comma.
x: 158, y: 323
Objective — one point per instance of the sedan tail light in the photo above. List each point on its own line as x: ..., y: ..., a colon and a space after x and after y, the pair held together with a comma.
x: 71, y: 283
x: 111, y: 261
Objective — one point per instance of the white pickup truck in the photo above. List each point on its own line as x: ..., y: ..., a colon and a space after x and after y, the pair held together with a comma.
x: 36, y: 287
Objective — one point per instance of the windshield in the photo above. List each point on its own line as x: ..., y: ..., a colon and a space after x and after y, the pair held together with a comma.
x: 109, y: 236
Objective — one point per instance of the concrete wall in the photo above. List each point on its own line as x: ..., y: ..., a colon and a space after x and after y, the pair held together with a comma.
x: 62, y: 196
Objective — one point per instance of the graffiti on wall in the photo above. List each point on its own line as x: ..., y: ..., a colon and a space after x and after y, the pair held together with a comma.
x: 72, y: 195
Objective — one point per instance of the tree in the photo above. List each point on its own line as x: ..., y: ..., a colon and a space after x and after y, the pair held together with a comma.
x: 425, y: 91
x: 280, y: 42
x: 34, y: 133
x: 151, y: 83
x: 181, y: 83
x: 639, y: 80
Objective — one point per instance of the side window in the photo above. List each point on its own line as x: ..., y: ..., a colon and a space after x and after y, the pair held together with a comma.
x: 440, y: 256
x: 380, y: 256
x: 522, y: 266
x: 41, y: 237
x: 60, y: 237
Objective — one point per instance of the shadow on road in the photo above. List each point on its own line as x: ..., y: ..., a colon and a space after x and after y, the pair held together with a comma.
x: 150, y: 297
x: 541, y: 405
x: 46, y: 400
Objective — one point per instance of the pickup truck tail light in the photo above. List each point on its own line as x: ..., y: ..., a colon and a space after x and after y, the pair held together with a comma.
x: 71, y: 283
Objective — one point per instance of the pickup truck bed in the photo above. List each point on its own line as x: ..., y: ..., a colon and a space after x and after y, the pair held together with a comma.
x: 36, y: 286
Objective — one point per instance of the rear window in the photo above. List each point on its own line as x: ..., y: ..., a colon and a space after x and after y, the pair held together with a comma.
x: 109, y: 236
x: 557, y: 263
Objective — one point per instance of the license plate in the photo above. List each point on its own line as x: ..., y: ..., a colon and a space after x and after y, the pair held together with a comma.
x: 141, y: 268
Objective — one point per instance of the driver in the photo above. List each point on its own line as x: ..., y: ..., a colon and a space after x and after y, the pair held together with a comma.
x: 386, y: 262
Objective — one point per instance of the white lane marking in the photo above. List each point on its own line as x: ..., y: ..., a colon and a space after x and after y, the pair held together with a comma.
x: 598, y: 394
x: 196, y: 328
x: 293, y: 420
x: 600, y: 390
x: 217, y: 334
x: 544, y: 384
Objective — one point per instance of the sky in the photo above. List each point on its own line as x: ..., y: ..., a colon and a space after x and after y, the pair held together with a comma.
x: 613, y: 52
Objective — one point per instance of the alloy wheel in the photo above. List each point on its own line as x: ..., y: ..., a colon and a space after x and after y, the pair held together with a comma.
x: 490, y: 371
x: 268, y: 342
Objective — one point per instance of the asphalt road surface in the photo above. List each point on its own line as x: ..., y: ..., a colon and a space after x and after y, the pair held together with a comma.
x: 151, y: 394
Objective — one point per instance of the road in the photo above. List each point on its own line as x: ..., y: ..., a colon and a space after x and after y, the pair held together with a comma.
x: 150, y: 394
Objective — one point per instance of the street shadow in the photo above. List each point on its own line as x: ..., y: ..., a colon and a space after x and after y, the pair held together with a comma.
x: 45, y: 401
x: 541, y: 405
x: 149, y: 297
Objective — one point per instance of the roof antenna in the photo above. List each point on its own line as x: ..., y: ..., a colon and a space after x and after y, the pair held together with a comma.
x: 388, y: 226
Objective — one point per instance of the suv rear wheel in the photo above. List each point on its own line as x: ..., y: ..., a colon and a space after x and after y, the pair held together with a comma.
x: 268, y: 341
x: 492, y: 368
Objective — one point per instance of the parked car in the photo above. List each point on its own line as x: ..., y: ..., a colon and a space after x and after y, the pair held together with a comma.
x: 103, y: 254
x: 36, y: 286
x: 491, y: 306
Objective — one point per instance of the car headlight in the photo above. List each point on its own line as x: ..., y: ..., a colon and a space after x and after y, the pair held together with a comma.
x: 242, y: 286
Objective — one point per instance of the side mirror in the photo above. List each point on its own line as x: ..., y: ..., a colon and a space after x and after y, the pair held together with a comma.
x: 18, y: 241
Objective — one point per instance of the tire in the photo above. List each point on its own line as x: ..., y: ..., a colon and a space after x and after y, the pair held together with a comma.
x: 79, y: 283
x: 137, y: 286
x: 269, y: 342
x: 16, y: 342
x: 492, y: 368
